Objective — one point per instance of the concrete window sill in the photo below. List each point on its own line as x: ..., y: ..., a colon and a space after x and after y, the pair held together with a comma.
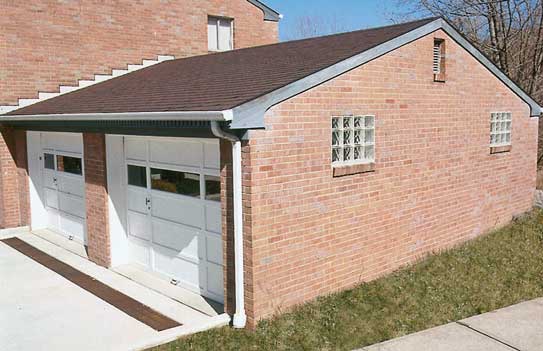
x: 500, y: 149
x: 340, y: 171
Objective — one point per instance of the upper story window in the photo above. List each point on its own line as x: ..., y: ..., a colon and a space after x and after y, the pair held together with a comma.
x: 500, y: 129
x: 220, y: 34
x: 353, y: 140
x: 438, y: 62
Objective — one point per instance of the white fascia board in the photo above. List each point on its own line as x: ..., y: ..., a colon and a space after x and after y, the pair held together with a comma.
x: 127, y: 116
x: 535, y: 109
x: 269, y: 13
x: 251, y: 114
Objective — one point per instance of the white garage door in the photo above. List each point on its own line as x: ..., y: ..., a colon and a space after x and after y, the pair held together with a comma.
x: 174, y: 210
x: 63, y: 183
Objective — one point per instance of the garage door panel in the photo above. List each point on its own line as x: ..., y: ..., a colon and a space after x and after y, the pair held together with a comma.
x: 70, y: 204
x: 187, y: 153
x: 140, y: 252
x: 63, y: 142
x: 215, y: 280
x: 71, y: 184
x: 48, y: 179
x: 52, y: 218
x: 137, y: 225
x: 213, y: 218
x: 73, y: 226
x: 136, y: 149
x: 178, y: 208
x: 51, y: 198
x: 136, y: 200
x: 211, y: 155
x: 182, y: 230
x: 182, y: 240
x: 187, y: 272
x: 213, y: 248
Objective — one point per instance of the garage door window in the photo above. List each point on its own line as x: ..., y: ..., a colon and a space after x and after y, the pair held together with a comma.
x: 137, y: 176
x: 49, y: 161
x: 69, y: 164
x: 182, y: 183
x: 213, y: 188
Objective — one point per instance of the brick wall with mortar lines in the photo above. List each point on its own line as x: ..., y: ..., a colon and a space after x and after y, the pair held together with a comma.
x: 435, y: 184
x: 47, y: 43
x: 96, y: 198
x: 14, y: 197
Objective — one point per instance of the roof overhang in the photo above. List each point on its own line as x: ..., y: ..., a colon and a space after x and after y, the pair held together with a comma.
x: 251, y: 114
x: 269, y: 13
x: 127, y: 116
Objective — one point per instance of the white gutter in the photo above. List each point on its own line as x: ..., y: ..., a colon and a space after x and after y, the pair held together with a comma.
x: 240, y: 318
x: 126, y: 116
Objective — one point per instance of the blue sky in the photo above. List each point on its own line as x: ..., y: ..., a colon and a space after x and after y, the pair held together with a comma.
x: 345, y: 14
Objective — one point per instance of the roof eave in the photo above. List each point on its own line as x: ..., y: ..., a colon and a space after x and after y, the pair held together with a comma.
x: 269, y: 13
x: 225, y: 115
x: 251, y: 114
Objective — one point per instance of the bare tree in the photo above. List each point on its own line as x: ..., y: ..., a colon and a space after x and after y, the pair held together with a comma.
x: 313, y: 26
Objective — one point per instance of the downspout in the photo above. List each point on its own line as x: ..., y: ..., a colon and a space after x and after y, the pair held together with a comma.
x: 240, y: 318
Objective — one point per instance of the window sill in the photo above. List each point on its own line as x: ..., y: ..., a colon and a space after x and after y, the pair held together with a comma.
x: 439, y: 77
x: 500, y: 149
x: 340, y: 171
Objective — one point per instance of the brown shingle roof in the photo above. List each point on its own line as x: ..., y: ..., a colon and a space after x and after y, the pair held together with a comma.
x: 220, y: 81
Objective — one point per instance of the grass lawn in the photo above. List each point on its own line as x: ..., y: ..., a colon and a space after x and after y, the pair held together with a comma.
x: 496, y: 270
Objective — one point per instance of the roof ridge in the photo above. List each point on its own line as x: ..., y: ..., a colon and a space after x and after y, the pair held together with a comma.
x: 427, y: 19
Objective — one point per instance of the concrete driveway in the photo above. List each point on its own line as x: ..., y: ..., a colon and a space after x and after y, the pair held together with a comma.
x: 41, y: 310
x: 517, y: 327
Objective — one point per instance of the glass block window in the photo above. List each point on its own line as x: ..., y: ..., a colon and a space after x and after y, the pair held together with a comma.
x: 500, y: 129
x: 353, y: 139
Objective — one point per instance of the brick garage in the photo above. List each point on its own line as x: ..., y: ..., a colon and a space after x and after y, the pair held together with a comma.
x: 435, y: 182
x: 313, y: 225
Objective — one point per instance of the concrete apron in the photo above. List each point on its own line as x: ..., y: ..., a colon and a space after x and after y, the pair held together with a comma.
x: 42, y: 310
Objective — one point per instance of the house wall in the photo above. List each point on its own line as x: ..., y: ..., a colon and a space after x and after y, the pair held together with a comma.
x: 435, y: 183
x: 47, y: 43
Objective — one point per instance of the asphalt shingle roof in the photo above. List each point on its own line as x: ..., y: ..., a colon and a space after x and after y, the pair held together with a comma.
x: 219, y: 81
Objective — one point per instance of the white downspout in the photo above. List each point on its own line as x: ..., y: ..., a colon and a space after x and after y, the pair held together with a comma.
x: 240, y: 318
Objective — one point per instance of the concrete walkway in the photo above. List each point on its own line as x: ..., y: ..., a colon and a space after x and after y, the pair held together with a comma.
x: 517, y: 327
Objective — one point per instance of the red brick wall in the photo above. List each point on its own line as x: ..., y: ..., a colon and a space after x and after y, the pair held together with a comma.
x: 47, y: 43
x: 96, y: 198
x: 435, y: 184
x: 14, y: 196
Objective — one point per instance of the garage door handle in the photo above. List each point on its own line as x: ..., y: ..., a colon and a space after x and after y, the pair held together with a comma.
x: 147, y: 200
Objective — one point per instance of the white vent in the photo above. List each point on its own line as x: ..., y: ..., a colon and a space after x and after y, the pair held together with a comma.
x: 437, y: 58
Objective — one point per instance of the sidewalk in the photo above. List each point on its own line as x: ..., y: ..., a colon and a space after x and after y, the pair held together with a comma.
x: 517, y: 327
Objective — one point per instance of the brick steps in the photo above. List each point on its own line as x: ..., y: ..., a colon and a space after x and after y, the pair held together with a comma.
x: 63, y: 89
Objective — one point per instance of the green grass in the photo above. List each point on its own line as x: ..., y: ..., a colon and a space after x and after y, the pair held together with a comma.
x: 493, y: 271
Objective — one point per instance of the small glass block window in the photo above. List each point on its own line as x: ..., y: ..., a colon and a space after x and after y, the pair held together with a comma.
x: 500, y: 129
x: 353, y: 139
